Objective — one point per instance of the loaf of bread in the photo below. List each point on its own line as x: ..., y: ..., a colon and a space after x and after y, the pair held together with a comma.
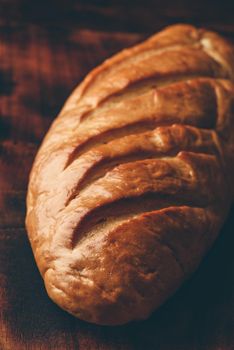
x: 134, y: 179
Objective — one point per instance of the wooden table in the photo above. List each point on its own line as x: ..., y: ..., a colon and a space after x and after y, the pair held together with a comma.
x: 46, y: 48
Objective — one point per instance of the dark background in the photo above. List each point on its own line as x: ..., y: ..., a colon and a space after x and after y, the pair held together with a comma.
x: 46, y: 48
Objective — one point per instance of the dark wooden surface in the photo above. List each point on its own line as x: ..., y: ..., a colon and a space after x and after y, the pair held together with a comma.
x: 46, y: 48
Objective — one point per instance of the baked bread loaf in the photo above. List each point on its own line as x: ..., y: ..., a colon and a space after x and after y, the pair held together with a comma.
x: 134, y: 179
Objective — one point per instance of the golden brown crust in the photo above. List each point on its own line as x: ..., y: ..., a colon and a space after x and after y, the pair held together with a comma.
x: 134, y: 178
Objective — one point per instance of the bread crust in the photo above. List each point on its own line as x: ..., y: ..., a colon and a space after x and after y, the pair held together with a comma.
x: 133, y: 181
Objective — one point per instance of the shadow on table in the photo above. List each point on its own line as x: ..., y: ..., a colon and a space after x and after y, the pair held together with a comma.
x: 199, y: 316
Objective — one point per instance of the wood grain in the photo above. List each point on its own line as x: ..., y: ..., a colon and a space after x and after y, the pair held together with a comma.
x: 45, y: 50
